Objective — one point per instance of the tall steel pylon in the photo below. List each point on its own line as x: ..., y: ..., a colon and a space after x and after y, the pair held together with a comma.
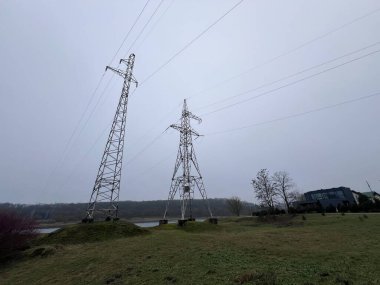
x: 105, y: 194
x: 185, y: 183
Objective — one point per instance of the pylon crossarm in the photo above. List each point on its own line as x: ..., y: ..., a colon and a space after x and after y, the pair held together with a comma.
x: 176, y: 127
x: 117, y: 71
x: 194, y: 133
x: 192, y: 116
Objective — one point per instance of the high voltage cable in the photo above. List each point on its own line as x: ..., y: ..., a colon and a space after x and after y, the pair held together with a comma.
x: 83, y: 113
x: 98, y: 139
x: 309, y: 42
x: 190, y: 43
x: 152, y: 166
x: 297, y: 114
x: 109, y: 81
x: 301, y: 46
x: 158, y: 163
x: 101, y: 79
x: 96, y: 105
x: 158, y: 122
x: 288, y: 52
x: 288, y: 84
x: 126, y: 37
x: 145, y: 148
x: 155, y: 164
x: 355, y: 20
x: 285, y: 53
x: 143, y: 29
x: 64, y: 153
x: 156, y: 138
x: 68, y: 178
x: 168, y: 61
x: 288, y: 76
x: 112, y: 76
x: 154, y: 25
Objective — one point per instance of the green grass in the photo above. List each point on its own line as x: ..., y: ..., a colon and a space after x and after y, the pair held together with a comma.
x: 93, y: 232
x: 331, y: 249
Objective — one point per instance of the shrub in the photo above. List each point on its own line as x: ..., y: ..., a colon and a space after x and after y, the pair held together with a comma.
x: 15, y: 232
x: 330, y: 209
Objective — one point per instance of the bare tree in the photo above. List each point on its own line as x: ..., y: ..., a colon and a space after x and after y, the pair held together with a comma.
x: 264, y: 189
x: 235, y: 205
x: 283, y: 187
x: 298, y: 196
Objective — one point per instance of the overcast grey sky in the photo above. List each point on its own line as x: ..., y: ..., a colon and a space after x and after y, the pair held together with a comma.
x: 53, y: 54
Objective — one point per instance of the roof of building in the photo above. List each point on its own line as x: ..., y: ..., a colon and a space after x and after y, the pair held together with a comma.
x: 370, y: 194
x: 329, y: 189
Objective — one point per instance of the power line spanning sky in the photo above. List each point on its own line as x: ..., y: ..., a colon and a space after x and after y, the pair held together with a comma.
x: 282, y: 85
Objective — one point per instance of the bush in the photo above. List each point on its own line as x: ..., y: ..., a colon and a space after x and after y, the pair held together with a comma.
x: 331, y: 209
x: 15, y: 232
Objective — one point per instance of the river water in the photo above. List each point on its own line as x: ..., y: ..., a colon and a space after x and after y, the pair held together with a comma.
x: 141, y: 224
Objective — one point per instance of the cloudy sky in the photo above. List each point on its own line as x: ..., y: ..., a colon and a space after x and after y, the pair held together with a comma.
x: 283, y: 85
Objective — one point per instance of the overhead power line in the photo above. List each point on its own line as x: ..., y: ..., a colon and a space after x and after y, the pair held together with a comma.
x: 155, y: 164
x: 130, y: 30
x: 292, y: 50
x: 73, y: 170
x: 157, y: 122
x: 190, y: 43
x: 154, y: 25
x: 98, y: 85
x: 112, y: 76
x: 143, y: 29
x: 289, y: 84
x: 69, y: 141
x: 148, y: 145
x: 297, y: 114
x: 101, y: 79
x: 288, y: 76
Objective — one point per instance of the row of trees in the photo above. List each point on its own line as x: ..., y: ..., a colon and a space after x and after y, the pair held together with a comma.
x: 271, y: 190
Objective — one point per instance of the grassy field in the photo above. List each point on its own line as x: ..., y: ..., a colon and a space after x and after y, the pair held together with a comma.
x: 331, y: 249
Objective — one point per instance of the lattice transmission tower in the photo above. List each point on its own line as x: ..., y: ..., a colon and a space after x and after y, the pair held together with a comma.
x: 105, y: 194
x: 186, y: 182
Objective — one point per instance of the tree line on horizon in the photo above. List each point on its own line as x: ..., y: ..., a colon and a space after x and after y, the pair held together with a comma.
x: 73, y: 212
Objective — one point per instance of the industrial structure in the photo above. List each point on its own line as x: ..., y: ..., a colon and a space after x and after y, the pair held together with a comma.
x: 186, y: 182
x: 105, y: 194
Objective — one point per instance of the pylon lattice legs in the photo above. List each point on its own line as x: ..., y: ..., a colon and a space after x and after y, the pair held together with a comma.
x: 186, y: 183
